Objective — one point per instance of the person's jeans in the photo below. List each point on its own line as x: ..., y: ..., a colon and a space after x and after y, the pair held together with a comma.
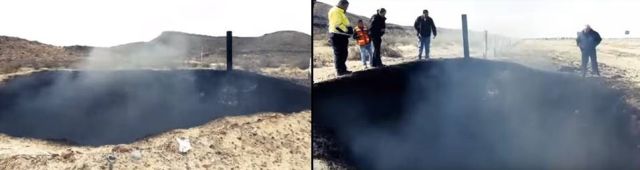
x: 366, y: 54
x: 376, y: 61
x: 424, y: 44
x: 590, y: 54
x: 340, y: 45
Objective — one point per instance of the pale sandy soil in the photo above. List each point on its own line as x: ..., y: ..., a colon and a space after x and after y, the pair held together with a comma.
x: 619, y: 54
x: 547, y: 54
x: 323, y: 58
x: 264, y: 141
x: 260, y: 141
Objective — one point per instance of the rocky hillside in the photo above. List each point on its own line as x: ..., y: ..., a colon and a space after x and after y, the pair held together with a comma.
x: 284, y: 48
x: 16, y: 53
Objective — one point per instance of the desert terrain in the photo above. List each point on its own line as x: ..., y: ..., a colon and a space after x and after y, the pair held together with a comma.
x: 265, y: 140
x: 399, y: 44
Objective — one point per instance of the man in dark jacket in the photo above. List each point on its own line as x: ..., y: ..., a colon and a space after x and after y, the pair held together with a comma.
x: 376, y: 30
x: 588, y: 39
x: 424, y: 25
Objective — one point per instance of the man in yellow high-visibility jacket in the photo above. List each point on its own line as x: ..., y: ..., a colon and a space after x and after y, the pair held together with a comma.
x: 339, y: 31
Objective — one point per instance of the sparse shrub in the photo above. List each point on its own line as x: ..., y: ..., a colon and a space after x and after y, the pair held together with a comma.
x: 390, y: 52
x: 354, y: 53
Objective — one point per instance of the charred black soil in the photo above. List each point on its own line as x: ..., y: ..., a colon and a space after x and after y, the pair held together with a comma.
x: 471, y: 114
x: 112, y: 107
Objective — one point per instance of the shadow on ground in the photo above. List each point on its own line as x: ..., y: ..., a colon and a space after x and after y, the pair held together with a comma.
x: 112, y: 107
x: 471, y: 114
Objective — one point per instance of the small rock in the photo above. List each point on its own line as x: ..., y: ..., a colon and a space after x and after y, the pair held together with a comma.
x: 84, y: 166
x: 136, y: 155
x: 121, y: 149
x: 67, y: 155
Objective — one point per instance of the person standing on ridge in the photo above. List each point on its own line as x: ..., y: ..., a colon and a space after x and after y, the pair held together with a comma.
x: 424, y: 25
x: 376, y: 31
x: 364, y: 42
x: 588, y: 39
x: 340, y: 31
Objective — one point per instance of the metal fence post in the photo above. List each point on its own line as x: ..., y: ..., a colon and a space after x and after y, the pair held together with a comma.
x: 486, y: 43
x: 465, y: 36
x: 229, y: 51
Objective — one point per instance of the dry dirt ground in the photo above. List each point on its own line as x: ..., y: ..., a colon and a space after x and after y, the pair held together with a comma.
x: 618, y: 61
x: 264, y: 141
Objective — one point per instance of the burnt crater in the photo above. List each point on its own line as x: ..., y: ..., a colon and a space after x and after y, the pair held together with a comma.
x: 112, y: 107
x: 472, y: 114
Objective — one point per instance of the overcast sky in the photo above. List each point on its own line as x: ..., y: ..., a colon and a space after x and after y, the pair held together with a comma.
x: 114, y: 22
x: 517, y: 18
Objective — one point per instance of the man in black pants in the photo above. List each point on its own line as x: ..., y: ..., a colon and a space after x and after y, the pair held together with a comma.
x: 340, y: 31
x: 588, y: 39
x: 376, y: 30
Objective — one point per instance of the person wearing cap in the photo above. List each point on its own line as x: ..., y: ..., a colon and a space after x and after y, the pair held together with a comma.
x: 376, y: 31
x: 339, y: 31
x: 362, y: 39
x: 424, y: 25
x: 588, y: 39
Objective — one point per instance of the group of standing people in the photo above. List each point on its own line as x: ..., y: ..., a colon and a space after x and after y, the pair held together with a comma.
x: 369, y: 39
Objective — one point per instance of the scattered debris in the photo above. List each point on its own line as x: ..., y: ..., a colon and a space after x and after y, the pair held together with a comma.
x: 121, y: 149
x: 568, y: 69
x: 616, y: 77
x: 111, y: 159
x: 183, y: 145
x: 68, y: 155
x: 136, y: 154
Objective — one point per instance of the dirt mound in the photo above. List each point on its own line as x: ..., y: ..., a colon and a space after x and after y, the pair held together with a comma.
x: 112, y: 107
x: 472, y: 114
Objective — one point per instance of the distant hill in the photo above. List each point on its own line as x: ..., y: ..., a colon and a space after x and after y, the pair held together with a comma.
x: 270, y: 50
x: 277, y: 42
